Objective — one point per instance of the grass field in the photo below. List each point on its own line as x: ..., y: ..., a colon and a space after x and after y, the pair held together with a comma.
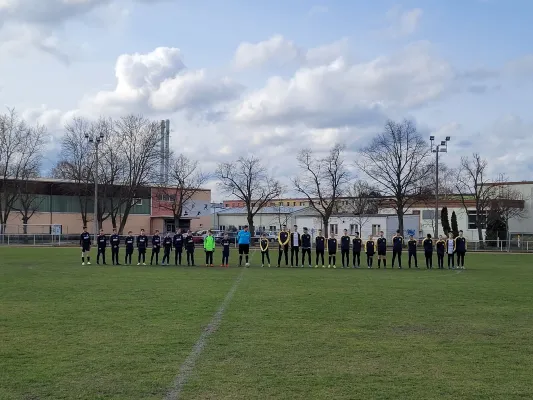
x: 104, y: 332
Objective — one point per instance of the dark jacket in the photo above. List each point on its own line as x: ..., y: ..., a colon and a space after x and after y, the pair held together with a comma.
x: 156, y: 242
x: 114, y: 241
x: 441, y: 246
x: 142, y: 242
x: 357, y: 244
x: 460, y: 244
x: 167, y: 242
x: 428, y: 245
x: 320, y: 242
x: 370, y: 247
x: 345, y: 243
x: 306, y: 241
x: 332, y: 245
x: 189, y: 243
x: 178, y: 241
x: 226, y: 243
x: 293, y: 234
x: 85, y: 239
x: 129, y: 242
x: 397, y: 243
x: 102, y: 241
x: 382, y: 243
x: 411, y: 245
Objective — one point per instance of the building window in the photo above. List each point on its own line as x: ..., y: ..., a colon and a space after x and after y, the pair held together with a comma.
x: 137, y: 202
x: 272, y: 228
x: 354, y: 228
x: 334, y: 228
x: 288, y: 203
x: 428, y: 214
x: 376, y: 229
x: 222, y: 227
x: 472, y: 219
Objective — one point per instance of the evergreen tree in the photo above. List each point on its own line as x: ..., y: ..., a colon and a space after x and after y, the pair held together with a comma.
x: 496, y: 228
x: 445, y: 221
x: 455, y: 227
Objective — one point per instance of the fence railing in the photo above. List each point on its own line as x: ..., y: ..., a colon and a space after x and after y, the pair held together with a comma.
x: 515, y: 246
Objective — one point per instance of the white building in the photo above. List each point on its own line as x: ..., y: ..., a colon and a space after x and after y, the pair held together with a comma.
x: 268, y: 219
x: 366, y: 225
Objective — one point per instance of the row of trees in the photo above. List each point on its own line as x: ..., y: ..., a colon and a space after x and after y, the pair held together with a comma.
x: 397, y: 170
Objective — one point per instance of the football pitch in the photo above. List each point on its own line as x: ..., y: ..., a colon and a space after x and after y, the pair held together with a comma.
x: 101, y: 332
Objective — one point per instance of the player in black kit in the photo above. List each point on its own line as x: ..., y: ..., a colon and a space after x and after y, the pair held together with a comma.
x: 320, y: 245
x: 283, y: 240
x: 381, y: 244
x: 167, y: 248
x: 306, y: 247
x: 189, y: 247
x: 178, y: 247
x: 156, y: 246
x: 102, y: 244
x: 114, y: 241
x: 142, y: 243
x: 428, y: 251
x: 85, y: 244
x: 226, y: 243
x: 345, y: 249
x: 130, y: 240
x: 263, y: 245
x: 332, y: 251
x: 397, y: 246
x: 357, y: 245
x: 411, y: 246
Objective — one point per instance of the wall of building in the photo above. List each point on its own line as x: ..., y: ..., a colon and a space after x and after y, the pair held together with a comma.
x: 525, y: 224
x: 71, y: 223
x: 370, y: 225
x: 261, y: 220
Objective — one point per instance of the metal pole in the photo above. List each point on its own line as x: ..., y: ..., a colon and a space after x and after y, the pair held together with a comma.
x: 437, y: 194
x: 96, y: 195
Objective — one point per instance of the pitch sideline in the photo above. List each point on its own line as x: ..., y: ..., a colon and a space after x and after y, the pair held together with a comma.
x: 189, y: 364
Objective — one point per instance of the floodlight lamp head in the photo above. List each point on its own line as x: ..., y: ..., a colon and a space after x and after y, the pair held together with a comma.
x: 101, y: 135
x: 443, y: 143
x: 86, y: 136
x: 448, y: 138
x: 432, y: 138
x: 91, y: 140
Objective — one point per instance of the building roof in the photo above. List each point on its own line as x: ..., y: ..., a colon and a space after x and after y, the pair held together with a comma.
x: 264, y: 210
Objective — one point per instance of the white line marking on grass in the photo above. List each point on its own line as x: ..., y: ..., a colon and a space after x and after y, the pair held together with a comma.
x: 189, y: 364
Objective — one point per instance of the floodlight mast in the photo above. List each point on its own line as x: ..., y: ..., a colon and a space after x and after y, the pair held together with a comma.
x: 95, y: 141
x: 438, y: 148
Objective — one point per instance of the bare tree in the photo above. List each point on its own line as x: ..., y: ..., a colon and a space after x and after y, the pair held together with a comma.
x: 139, y: 138
x: 472, y: 184
x: 398, y: 161
x: 322, y: 181
x: 76, y: 163
x: 248, y: 180
x: 508, y: 203
x: 20, y: 158
x: 362, y: 202
x: 185, y: 181
x: 27, y: 202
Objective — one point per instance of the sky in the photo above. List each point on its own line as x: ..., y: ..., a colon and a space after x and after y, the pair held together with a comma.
x: 268, y: 78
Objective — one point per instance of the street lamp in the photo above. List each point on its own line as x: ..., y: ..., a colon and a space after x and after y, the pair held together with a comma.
x: 95, y: 140
x: 438, y: 148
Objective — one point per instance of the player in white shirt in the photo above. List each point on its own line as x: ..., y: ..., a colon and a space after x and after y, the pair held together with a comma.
x: 450, y: 250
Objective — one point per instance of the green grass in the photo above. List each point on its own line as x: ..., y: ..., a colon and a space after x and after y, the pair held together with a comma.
x: 73, y: 332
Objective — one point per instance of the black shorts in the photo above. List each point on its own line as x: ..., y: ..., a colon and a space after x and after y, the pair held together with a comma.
x: 85, y: 248
x: 382, y: 252
x: 244, y: 248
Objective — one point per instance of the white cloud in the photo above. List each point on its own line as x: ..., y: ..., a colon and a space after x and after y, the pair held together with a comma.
x: 159, y: 82
x: 36, y: 23
x: 343, y: 93
x: 403, y: 22
x: 277, y: 51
